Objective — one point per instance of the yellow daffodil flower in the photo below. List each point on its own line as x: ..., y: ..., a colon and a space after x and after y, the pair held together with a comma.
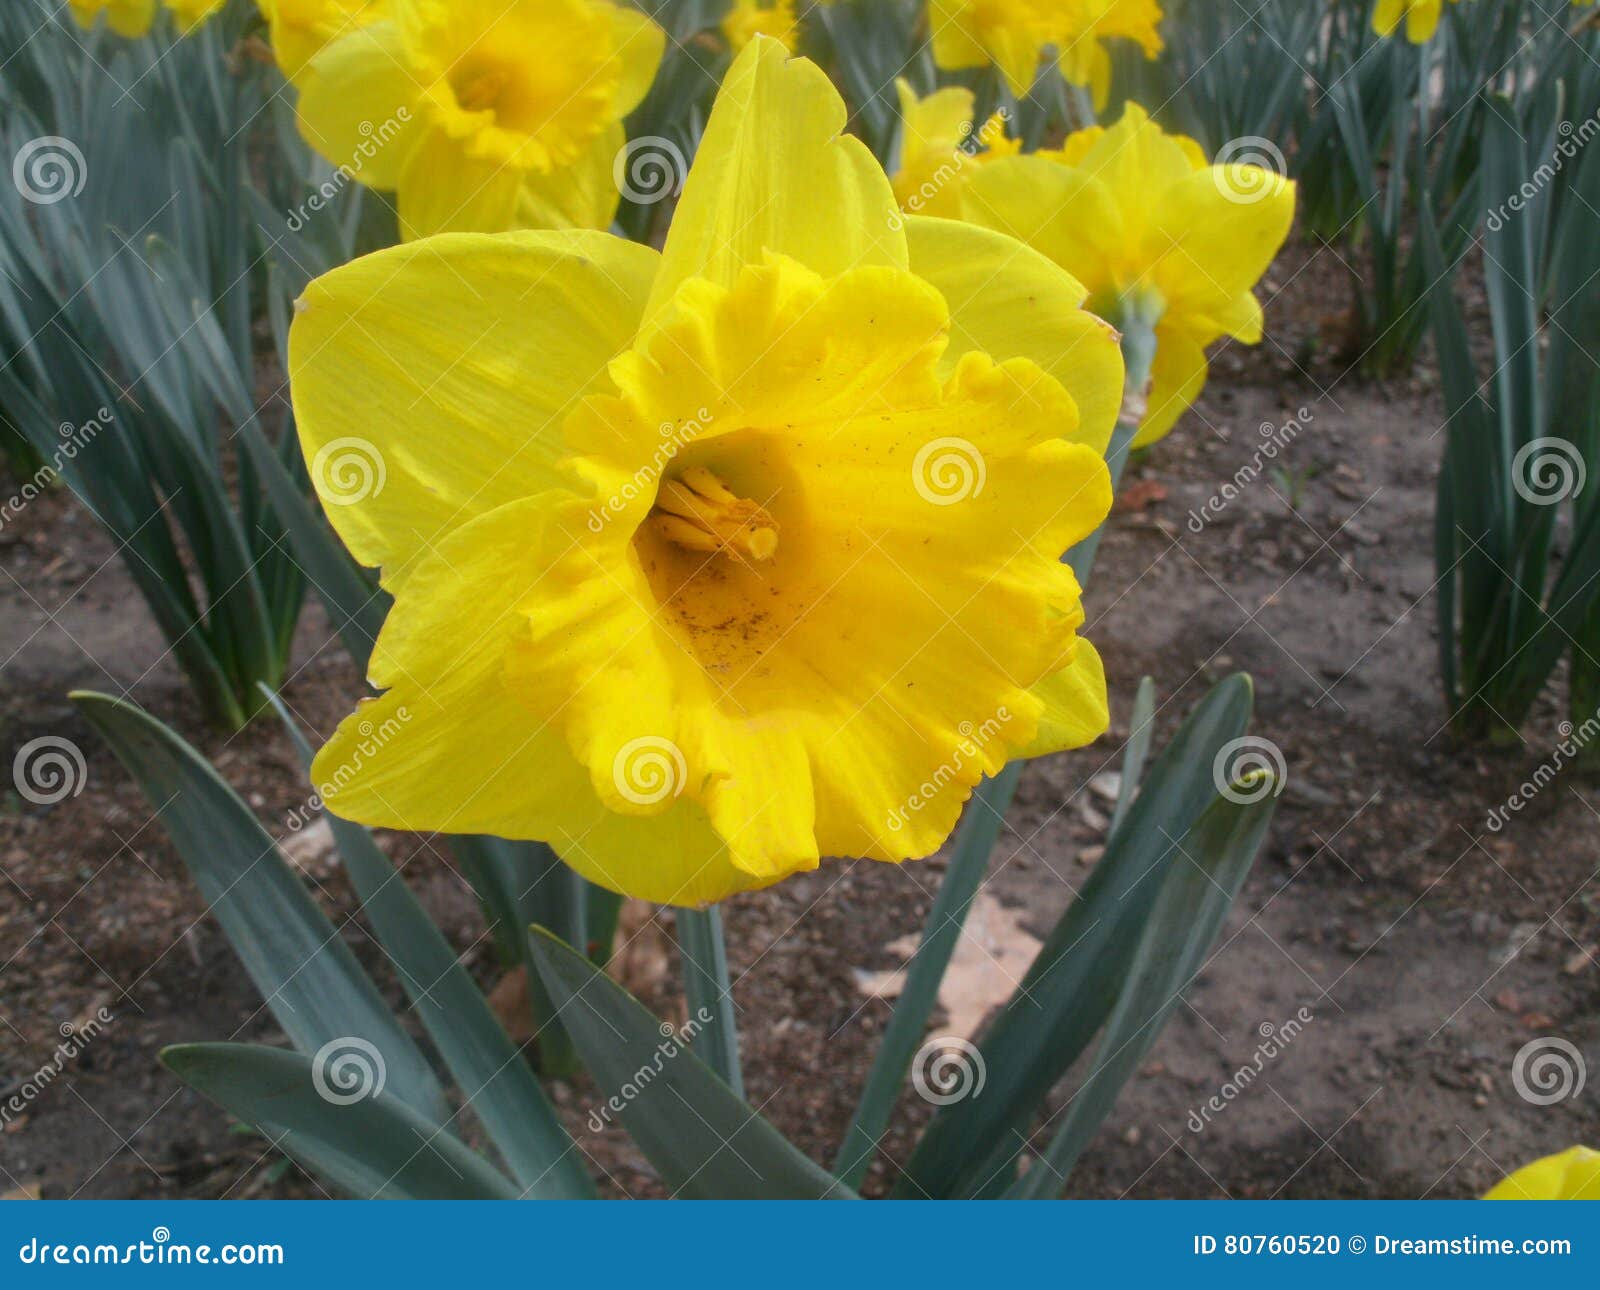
x: 1573, y: 1174
x: 1154, y: 232
x: 484, y: 115
x: 128, y: 18
x: 301, y: 29
x: 133, y: 19
x: 189, y: 14
x: 1420, y: 16
x: 748, y: 19
x: 711, y: 562
x: 1014, y: 34
x: 938, y: 149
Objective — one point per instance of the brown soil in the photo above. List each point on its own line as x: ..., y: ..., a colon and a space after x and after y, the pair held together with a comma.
x: 1427, y: 949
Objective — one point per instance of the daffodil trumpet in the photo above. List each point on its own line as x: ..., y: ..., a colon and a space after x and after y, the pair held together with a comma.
x: 712, y: 562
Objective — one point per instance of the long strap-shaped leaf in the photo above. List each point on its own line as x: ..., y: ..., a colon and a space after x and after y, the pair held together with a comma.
x: 1212, y: 861
x: 363, y: 1139
x: 703, y: 953
x: 1073, y: 983
x: 305, y: 972
x: 492, y: 1072
x: 706, y: 1142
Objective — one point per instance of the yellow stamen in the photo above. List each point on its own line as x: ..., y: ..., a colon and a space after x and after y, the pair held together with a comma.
x: 697, y: 511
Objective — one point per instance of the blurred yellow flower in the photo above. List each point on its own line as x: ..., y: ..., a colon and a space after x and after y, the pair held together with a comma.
x: 300, y: 29
x: 134, y: 18
x: 938, y: 148
x: 1420, y: 16
x: 129, y: 18
x: 712, y: 562
x: 1014, y: 34
x: 189, y: 14
x: 484, y: 115
x: 1573, y: 1174
x: 747, y: 19
x: 1154, y: 232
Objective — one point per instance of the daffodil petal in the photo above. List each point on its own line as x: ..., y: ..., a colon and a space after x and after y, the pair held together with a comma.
x: 1009, y: 301
x: 359, y: 107
x: 1176, y: 378
x: 1573, y: 1174
x: 1217, y: 232
x: 582, y: 195
x: 450, y: 749
x: 639, y: 45
x: 776, y: 173
x: 1075, y: 706
x: 442, y: 190
x: 1064, y: 212
x: 430, y: 380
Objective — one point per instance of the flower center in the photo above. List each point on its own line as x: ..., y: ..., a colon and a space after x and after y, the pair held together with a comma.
x: 698, y: 512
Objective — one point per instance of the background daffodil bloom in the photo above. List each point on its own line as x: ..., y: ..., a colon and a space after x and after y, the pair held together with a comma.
x: 709, y: 563
x: 128, y: 18
x: 937, y: 148
x: 189, y: 14
x: 1573, y: 1174
x: 1014, y: 34
x: 1421, y: 18
x: 747, y: 19
x: 1153, y: 231
x: 300, y: 29
x: 484, y: 115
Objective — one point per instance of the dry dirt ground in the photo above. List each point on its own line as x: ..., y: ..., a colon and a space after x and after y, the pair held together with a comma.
x: 1426, y: 950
